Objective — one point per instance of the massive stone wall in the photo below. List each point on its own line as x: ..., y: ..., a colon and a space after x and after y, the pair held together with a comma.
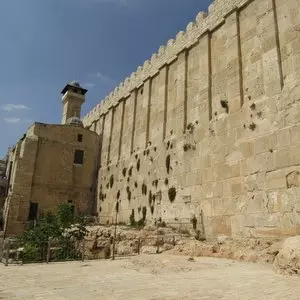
x: 209, y: 127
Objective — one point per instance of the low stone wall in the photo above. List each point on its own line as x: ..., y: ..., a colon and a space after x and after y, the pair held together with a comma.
x: 283, y: 254
x: 288, y: 259
x: 153, y: 240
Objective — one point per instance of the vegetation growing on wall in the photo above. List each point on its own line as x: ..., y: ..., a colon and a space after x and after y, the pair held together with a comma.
x: 138, y: 164
x: 172, y: 194
x: 259, y: 114
x: 253, y: 106
x: 140, y: 223
x: 111, y: 181
x: 144, y: 189
x: 144, y: 213
x: 168, y: 163
x: 252, y: 126
x: 128, y: 193
x: 132, y: 218
x: 224, y: 104
x: 130, y: 171
x: 168, y: 144
x: 155, y: 183
x: 101, y: 196
x: 152, y: 209
x: 153, y: 198
x: 150, y: 198
x: 190, y: 127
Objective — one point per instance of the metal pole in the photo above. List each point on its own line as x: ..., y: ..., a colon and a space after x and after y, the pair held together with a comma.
x: 48, y: 251
x: 115, y: 233
x: 83, y: 249
x: 7, y: 253
x: 139, y: 246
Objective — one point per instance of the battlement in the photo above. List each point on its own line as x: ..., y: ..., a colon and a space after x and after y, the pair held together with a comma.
x: 204, y: 23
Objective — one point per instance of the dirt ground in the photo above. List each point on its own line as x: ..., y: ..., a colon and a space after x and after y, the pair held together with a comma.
x: 152, y: 277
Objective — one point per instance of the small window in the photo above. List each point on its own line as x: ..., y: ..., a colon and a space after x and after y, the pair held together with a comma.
x: 33, y: 211
x: 79, y: 138
x: 78, y: 157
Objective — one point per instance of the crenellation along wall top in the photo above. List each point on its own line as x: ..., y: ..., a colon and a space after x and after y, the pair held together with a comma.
x: 166, y: 54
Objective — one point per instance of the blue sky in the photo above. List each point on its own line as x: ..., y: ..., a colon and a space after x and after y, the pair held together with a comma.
x: 47, y: 43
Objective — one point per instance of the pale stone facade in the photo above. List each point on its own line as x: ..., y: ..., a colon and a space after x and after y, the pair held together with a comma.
x: 52, y: 164
x: 208, y: 130
x: 210, y: 126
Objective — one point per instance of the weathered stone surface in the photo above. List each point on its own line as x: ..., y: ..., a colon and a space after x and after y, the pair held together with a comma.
x: 152, y: 240
x: 222, y: 130
x: 293, y: 179
x: 288, y: 258
x: 207, y: 130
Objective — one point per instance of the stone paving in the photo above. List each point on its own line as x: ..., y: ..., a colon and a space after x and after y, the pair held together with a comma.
x: 156, y: 277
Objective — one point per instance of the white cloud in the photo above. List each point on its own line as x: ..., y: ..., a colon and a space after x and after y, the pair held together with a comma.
x: 102, y: 77
x: 88, y: 85
x: 12, y: 120
x: 10, y: 107
x: 98, y: 78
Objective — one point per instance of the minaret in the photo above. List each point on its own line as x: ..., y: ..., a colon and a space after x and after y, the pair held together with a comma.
x: 72, y: 99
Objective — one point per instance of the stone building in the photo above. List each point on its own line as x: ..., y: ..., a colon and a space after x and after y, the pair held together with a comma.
x: 3, y: 184
x: 208, y: 129
x: 205, y: 134
x: 52, y: 164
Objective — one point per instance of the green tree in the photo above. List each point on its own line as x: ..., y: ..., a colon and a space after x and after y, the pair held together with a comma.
x: 62, y: 228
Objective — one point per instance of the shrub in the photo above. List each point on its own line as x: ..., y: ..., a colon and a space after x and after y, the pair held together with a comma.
x: 253, y: 106
x: 190, y: 127
x: 61, y: 227
x: 144, y: 189
x: 168, y: 163
x: 111, y: 181
x: 224, y: 104
x: 172, y: 194
x: 138, y: 164
x: 130, y: 172
x: 252, y: 126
